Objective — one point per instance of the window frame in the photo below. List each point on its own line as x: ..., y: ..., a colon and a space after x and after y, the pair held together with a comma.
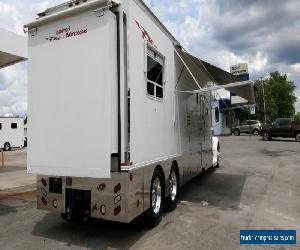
x: 150, y: 48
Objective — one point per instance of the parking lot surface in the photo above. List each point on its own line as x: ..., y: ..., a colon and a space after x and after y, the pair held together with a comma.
x: 257, y: 187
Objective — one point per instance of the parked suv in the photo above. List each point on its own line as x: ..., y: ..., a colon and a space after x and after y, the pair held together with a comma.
x: 283, y: 127
x: 249, y: 127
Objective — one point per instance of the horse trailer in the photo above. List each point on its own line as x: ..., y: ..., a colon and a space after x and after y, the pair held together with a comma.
x: 11, y: 132
x: 120, y: 113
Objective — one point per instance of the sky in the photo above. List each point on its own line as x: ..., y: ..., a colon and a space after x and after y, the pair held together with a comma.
x: 265, y: 34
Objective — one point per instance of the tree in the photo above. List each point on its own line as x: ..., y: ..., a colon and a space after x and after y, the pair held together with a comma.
x: 279, y: 97
x: 297, y: 118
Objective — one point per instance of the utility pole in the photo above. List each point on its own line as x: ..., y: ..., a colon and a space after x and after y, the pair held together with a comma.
x: 263, y: 86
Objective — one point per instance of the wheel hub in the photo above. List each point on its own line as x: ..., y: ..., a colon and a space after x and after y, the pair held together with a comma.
x: 156, y: 196
x: 173, y: 185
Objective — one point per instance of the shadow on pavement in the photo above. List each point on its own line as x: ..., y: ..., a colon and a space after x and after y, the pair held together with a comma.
x: 4, y: 209
x: 95, y: 234
x: 217, y: 189
x: 7, y: 169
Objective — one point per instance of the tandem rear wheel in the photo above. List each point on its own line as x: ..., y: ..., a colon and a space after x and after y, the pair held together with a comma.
x: 154, y: 214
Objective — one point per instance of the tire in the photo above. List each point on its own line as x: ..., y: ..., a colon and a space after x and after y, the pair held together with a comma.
x: 266, y: 136
x: 255, y: 132
x: 218, y: 157
x: 7, y: 146
x: 237, y: 132
x: 154, y: 214
x: 297, y: 137
x: 171, y: 200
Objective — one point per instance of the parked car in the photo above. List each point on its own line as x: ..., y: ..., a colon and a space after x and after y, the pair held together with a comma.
x: 249, y: 127
x: 282, y: 127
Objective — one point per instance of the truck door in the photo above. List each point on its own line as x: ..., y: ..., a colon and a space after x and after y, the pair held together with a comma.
x: 285, y: 127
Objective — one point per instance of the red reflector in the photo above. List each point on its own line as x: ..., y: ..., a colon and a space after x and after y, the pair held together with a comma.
x: 44, y: 182
x: 117, y: 188
x: 117, y: 210
x: 44, y: 201
x: 123, y: 165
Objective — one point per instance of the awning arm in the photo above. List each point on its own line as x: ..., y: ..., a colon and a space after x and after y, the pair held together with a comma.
x: 218, y: 87
x: 190, y: 72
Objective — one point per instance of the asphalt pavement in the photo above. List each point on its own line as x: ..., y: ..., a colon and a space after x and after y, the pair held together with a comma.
x: 257, y: 187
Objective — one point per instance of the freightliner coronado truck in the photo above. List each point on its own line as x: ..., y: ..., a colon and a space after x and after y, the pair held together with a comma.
x: 120, y: 113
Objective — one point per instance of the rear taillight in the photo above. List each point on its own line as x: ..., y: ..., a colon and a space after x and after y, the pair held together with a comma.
x: 117, y: 210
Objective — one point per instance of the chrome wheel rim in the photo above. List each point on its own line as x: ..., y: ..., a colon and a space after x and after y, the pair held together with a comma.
x: 218, y: 157
x: 255, y: 133
x: 298, y: 138
x: 173, y: 185
x: 156, y: 196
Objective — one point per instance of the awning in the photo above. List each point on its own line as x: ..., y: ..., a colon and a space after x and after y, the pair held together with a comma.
x: 201, y: 71
x: 13, y: 48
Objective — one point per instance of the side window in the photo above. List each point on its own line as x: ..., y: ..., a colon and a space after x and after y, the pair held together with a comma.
x: 284, y: 122
x: 14, y: 125
x: 217, y: 115
x: 276, y: 123
x: 155, y: 71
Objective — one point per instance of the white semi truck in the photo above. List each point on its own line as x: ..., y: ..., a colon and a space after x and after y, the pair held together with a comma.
x: 120, y: 113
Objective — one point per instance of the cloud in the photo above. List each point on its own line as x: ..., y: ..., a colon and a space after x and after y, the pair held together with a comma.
x: 223, y: 32
x: 13, y: 90
x: 13, y: 79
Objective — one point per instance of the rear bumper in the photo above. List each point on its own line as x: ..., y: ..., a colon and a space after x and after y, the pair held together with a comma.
x: 111, y: 199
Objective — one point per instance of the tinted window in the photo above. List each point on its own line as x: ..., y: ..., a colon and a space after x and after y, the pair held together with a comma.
x: 252, y: 122
x: 154, y: 71
x: 155, y: 75
x: 244, y: 123
x: 159, y: 92
x: 284, y: 122
x: 14, y: 125
x: 150, y: 88
x: 217, y: 115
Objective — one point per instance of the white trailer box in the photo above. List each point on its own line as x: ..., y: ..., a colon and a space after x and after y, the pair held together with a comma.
x: 119, y: 113
x: 11, y: 132
x: 73, y: 96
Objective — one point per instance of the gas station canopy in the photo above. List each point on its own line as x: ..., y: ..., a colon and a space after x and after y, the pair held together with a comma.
x: 13, y: 48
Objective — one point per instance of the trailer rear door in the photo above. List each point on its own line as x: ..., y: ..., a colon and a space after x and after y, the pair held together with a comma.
x: 73, y: 96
